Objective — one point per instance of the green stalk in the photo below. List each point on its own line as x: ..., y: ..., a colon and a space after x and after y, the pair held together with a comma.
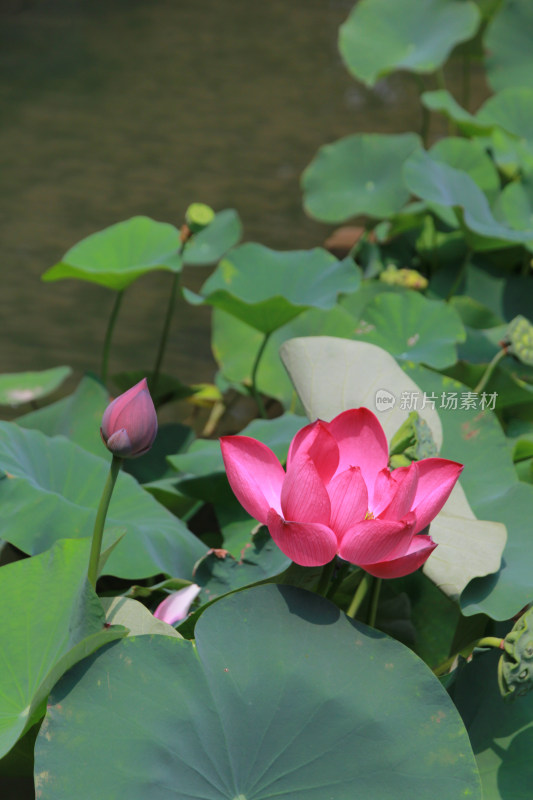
x: 164, y: 333
x: 325, y: 576
x: 359, y: 596
x: 490, y: 369
x: 485, y: 641
x: 253, y: 388
x: 99, y: 522
x: 109, y: 334
x: 426, y: 116
x: 460, y: 274
x: 376, y: 588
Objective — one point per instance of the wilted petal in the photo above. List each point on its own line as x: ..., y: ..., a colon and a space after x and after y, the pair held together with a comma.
x: 349, y: 500
x: 319, y: 444
x: 418, y: 553
x: 377, y: 540
x: 306, y: 543
x: 176, y: 606
x: 304, y: 497
x: 362, y: 443
x: 436, y: 479
x: 254, y: 474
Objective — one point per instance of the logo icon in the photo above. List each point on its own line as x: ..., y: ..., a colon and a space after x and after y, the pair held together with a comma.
x: 384, y: 400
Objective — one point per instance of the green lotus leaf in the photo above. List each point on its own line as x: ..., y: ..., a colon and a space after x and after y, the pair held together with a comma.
x: 281, y: 696
x: 439, y: 183
x: 18, y: 388
x: 507, y: 40
x: 118, y: 255
x: 360, y: 174
x: 412, y: 328
x: 266, y: 289
x: 78, y: 416
x: 135, y: 617
x: 208, y: 246
x: 379, y: 37
x: 511, y: 109
x: 51, y: 619
x: 501, y: 733
x: 51, y: 489
x: 443, y: 102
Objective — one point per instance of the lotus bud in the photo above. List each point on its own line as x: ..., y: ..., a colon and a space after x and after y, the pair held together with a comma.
x: 129, y: 424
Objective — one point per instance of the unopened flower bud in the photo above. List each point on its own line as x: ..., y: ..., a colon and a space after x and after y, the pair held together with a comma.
x: 129, y: 424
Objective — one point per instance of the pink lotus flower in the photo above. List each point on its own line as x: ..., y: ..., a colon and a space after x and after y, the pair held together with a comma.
x: 338, y: 495
x: 129, y: 424
x: 176, y: 606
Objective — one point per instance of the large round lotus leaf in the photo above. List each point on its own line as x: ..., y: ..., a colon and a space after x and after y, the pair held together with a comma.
x: 501, y: 733
x: 281, y: 697
x: 78, y: 416
x: 208, y: 246
x: 507, y: 40
x: 439, y: 183
x: 416, y: 35
x: 118, y: 255
x: 412, y: 328
x: 51, y: 618
x: 360, y: 174
x: 18, y: 388
x: 266, y: 289
x: 512, y: 110
x: 51, y: 490
x: 235, y: 346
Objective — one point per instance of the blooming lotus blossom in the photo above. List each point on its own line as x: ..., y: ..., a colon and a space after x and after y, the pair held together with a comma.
x: 338, y: 495
x: 129, y: 424
x: 176, y: 606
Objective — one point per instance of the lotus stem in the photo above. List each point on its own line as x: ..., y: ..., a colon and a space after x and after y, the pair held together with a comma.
x: 99, y: 522
x: 490, y: 369
x: 376, y: 588
x: 485, y: 641
x: 109, y: 334
x: 325, y: 577
x: 359, y: 596
x: 164, y: 333
x: 253, y: 388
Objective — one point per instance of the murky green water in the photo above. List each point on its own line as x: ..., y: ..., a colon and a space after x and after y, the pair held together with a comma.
x: 113, y: 108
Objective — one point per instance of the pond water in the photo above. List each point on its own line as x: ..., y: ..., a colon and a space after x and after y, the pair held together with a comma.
x: 112, y: 109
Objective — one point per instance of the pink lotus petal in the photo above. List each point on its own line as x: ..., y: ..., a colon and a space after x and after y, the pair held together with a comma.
x: 317, y: 441
x: 176, y: 606
x: 419, y: 551
x: 362, y: 443
x: 254, y: 473
x: 349, y: 500
x: 404, y: 482
x: 304, y: 498
x: 377, y: 540
x: 436, y: 479
x: 306, y: 543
